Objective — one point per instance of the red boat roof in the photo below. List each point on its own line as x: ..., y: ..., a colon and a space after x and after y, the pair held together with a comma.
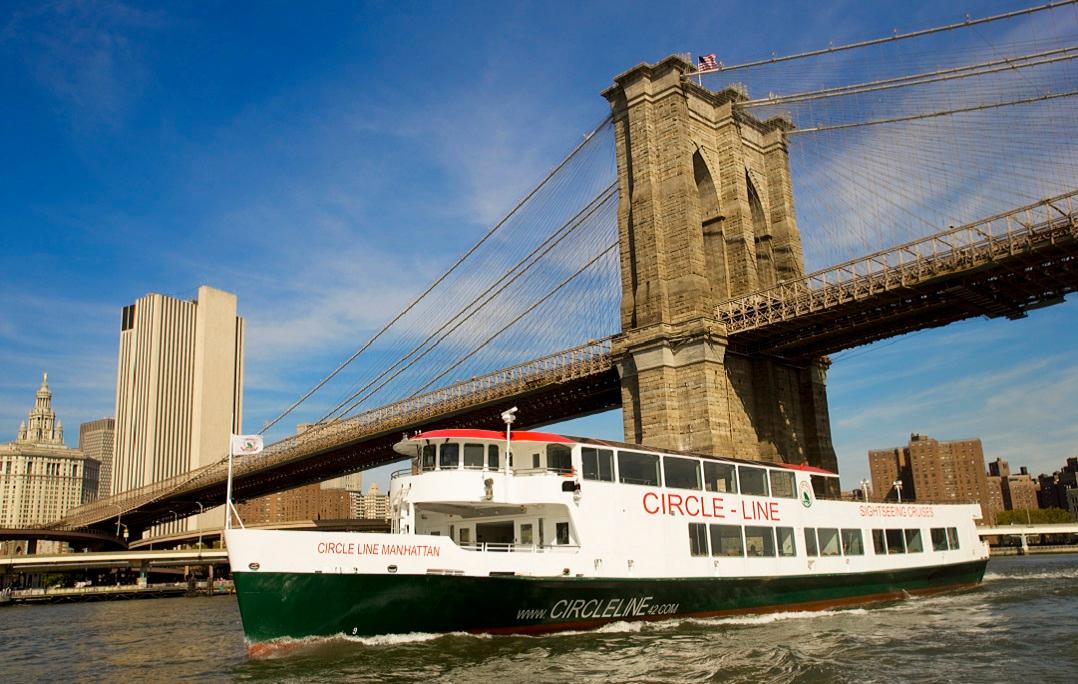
x: 517, y: 435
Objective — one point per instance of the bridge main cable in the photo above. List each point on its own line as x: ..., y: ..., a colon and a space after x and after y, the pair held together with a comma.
x: 438, y: 281
x: 968, y: 23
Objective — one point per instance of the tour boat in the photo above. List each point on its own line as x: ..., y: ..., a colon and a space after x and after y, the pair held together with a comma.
x: 572, y: 533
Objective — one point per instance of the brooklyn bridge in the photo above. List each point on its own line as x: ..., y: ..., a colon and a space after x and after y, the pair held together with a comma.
x: 698, y: 255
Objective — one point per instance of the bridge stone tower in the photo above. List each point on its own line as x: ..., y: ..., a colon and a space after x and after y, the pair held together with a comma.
x: 706, y: 213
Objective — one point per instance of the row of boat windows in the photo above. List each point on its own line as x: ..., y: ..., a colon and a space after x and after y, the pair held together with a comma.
x: 677, y: 472
x: 451, y: 456
x: 630, y: 467
x: 760, y: 541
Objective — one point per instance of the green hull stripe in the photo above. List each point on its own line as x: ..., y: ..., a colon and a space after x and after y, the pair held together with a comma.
x: 276, y: 605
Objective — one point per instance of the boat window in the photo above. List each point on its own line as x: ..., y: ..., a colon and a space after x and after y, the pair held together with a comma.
x: 782, y: 484
x: 681, y: 473
x: 726, y: 540
x: 878, y: 543
x: 810, y: 542
x: 473, y: 456
x: 559, y: 458
x: 786, y: 541
x: 535, y: 461
x: 561, y: 532
x: 852, y: 543
x: 720, y: 477
x: 829, y: 544
x: 913, y: 541
x: 465, y: 535
x: 526, y: 534
x: 598, y: 464
x: 753, y: 480
x: 637, y: 468
x: 895, y: 543
x: 449, y: 456
x: 430, y: 453
x: 825, y: 487
x: 492, y: 457
x: 697, y: 539
x: 939, y: 539
x: 759, y: 541
x: 952, y: 537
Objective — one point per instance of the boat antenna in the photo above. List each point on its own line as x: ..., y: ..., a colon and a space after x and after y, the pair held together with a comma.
x: 508, y: 416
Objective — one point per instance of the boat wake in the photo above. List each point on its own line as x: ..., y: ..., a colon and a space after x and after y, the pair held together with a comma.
x: 1069, y: 573
x: 288, y: 645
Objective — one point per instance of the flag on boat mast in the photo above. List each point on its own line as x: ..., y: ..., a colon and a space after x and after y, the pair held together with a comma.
x: 246, y: 445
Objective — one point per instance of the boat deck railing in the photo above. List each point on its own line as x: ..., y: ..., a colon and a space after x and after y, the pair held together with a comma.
x: 506, y: 547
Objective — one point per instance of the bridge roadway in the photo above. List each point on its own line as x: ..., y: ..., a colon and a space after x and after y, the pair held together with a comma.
x: 113, y: 559
x: 1003, y: 265
x: 1024, y: 530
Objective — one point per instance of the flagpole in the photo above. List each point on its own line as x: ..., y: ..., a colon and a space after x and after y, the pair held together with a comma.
x: 228, y: 489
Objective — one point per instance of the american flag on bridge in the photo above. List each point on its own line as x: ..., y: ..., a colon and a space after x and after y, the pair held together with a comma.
x: 707, y: 63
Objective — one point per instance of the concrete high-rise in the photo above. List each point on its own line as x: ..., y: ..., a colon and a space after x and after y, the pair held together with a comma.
x: 96, y: 440
x: 179, y: 387
x: 40, y: 478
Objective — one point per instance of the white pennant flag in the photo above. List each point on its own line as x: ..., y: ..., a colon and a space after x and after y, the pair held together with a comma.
x: 246, y: 445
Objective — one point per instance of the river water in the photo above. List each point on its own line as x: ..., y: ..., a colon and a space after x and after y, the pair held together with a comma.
x: 1020, y: 625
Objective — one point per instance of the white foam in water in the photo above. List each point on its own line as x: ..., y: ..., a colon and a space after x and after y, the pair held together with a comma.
x: 286, y: 644
x: 1070, y: 573
x: 768, y: 618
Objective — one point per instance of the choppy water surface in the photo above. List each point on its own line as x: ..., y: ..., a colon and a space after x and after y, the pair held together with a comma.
x: 1022, y: 624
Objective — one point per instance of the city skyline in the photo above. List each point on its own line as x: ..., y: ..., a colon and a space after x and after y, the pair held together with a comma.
x: 283, y: 193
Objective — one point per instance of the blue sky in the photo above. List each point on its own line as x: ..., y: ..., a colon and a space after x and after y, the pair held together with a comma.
x: 325, y: 160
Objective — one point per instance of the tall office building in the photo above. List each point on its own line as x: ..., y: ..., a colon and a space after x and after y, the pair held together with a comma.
x: 96, y: 440
x: 179, y: 388
x: 40, y: 478
x: 936, y: 472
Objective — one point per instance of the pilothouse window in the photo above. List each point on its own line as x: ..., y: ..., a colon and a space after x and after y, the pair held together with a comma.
x: 638, y: 468
x: 492, y: 457
x: 473, y: 456
x: 430, y: 453
x: 449, y: 456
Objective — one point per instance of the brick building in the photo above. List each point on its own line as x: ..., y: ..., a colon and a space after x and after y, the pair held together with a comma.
x: 933, y: 471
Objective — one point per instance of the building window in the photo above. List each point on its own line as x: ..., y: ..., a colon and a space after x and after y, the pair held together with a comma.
x: 697, y: 539
x: 681, y: 473
x: 720, y: 477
